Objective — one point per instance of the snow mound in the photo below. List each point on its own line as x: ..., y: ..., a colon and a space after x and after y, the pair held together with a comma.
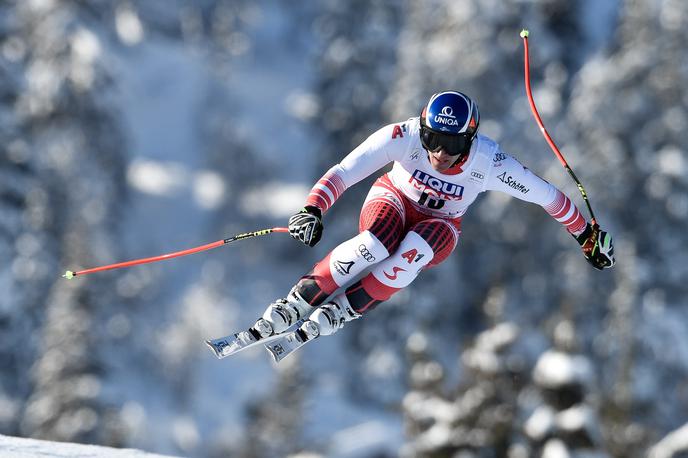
x: 32, y: 448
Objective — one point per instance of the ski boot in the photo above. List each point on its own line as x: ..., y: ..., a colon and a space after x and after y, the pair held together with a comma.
x: 280, y: 316
x: 325, y: 320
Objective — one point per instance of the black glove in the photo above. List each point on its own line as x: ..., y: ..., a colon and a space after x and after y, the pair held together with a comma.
x: 306, y: 225
x: 597, y: 246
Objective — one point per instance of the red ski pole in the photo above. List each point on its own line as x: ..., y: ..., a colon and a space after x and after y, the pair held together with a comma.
x: 71, y: 274
x: 536, y: 115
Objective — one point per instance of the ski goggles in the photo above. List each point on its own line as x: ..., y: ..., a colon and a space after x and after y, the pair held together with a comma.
x: 453, y: 144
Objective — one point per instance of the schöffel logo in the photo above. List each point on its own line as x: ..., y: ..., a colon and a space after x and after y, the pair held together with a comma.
x: 446, y: 117
x: 449, y: 189
x: 343, y: 267
x: 510, y: 182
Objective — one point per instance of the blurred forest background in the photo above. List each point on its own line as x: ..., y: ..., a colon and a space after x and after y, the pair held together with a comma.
x: 134, y: 128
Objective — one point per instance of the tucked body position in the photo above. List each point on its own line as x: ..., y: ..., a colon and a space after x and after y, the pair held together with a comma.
x: 410, y: 220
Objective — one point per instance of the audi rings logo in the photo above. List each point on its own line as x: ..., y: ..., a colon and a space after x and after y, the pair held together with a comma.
x: 448, y: 112
x: 367, y: 255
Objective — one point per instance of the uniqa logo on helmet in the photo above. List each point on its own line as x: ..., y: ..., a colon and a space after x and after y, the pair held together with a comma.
x: 446, y: 117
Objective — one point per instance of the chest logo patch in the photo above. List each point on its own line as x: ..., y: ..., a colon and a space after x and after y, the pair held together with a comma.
x: 441, y: 187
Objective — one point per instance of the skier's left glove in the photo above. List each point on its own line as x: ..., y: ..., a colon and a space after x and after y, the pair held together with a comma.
x: 597, y: 246
x: 306, y: 225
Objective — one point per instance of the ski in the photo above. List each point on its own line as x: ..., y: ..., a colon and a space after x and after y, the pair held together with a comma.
x: 288, y: 343
x: 234, y: 343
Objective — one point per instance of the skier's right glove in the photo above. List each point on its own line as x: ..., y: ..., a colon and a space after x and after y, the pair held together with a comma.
x: 597, y: 246
x: 306, y: 225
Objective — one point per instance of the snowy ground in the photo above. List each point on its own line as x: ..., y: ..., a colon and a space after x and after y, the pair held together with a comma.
x: 31, y: 448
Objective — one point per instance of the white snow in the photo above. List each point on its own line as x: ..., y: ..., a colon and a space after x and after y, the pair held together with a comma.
x: 540, y: 423
x: 274, y: 199
x: 157, y: 177
x: 128, y: 25
x: 674, y: 442
x: 16, y: 447
x: 555, y: 369
x: 555, y: 448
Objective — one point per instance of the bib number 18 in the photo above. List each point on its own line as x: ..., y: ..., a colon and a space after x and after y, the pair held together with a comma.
x: 430, y: 202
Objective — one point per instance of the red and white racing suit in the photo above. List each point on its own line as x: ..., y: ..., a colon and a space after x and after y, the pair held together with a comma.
x: 411, y: 218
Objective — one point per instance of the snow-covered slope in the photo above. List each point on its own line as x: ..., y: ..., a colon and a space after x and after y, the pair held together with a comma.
x: 16, y: 447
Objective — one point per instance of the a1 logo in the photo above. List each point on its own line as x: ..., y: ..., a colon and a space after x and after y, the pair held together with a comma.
x: 412, y: 255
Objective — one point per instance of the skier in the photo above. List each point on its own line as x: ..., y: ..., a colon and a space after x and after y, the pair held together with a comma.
x: 410, y: 220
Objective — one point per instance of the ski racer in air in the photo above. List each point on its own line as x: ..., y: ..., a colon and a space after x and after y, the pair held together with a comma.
x: 410, y: 220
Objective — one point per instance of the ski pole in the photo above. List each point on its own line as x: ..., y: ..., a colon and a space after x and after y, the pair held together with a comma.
x: 71, y: 274
x: 524, y: 34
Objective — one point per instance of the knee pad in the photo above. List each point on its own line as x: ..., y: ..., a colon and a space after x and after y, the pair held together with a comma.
x: 354, y: 256
x: 384, y: 220
x: 403, y: 266
x: 441, y: 235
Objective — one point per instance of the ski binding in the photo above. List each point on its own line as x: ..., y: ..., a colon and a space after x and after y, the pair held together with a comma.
x: 234, y: 343
x: 286, y: 344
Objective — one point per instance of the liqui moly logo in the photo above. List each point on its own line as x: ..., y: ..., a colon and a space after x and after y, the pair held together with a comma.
x: 446, y: 117
x: 443, y: 187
